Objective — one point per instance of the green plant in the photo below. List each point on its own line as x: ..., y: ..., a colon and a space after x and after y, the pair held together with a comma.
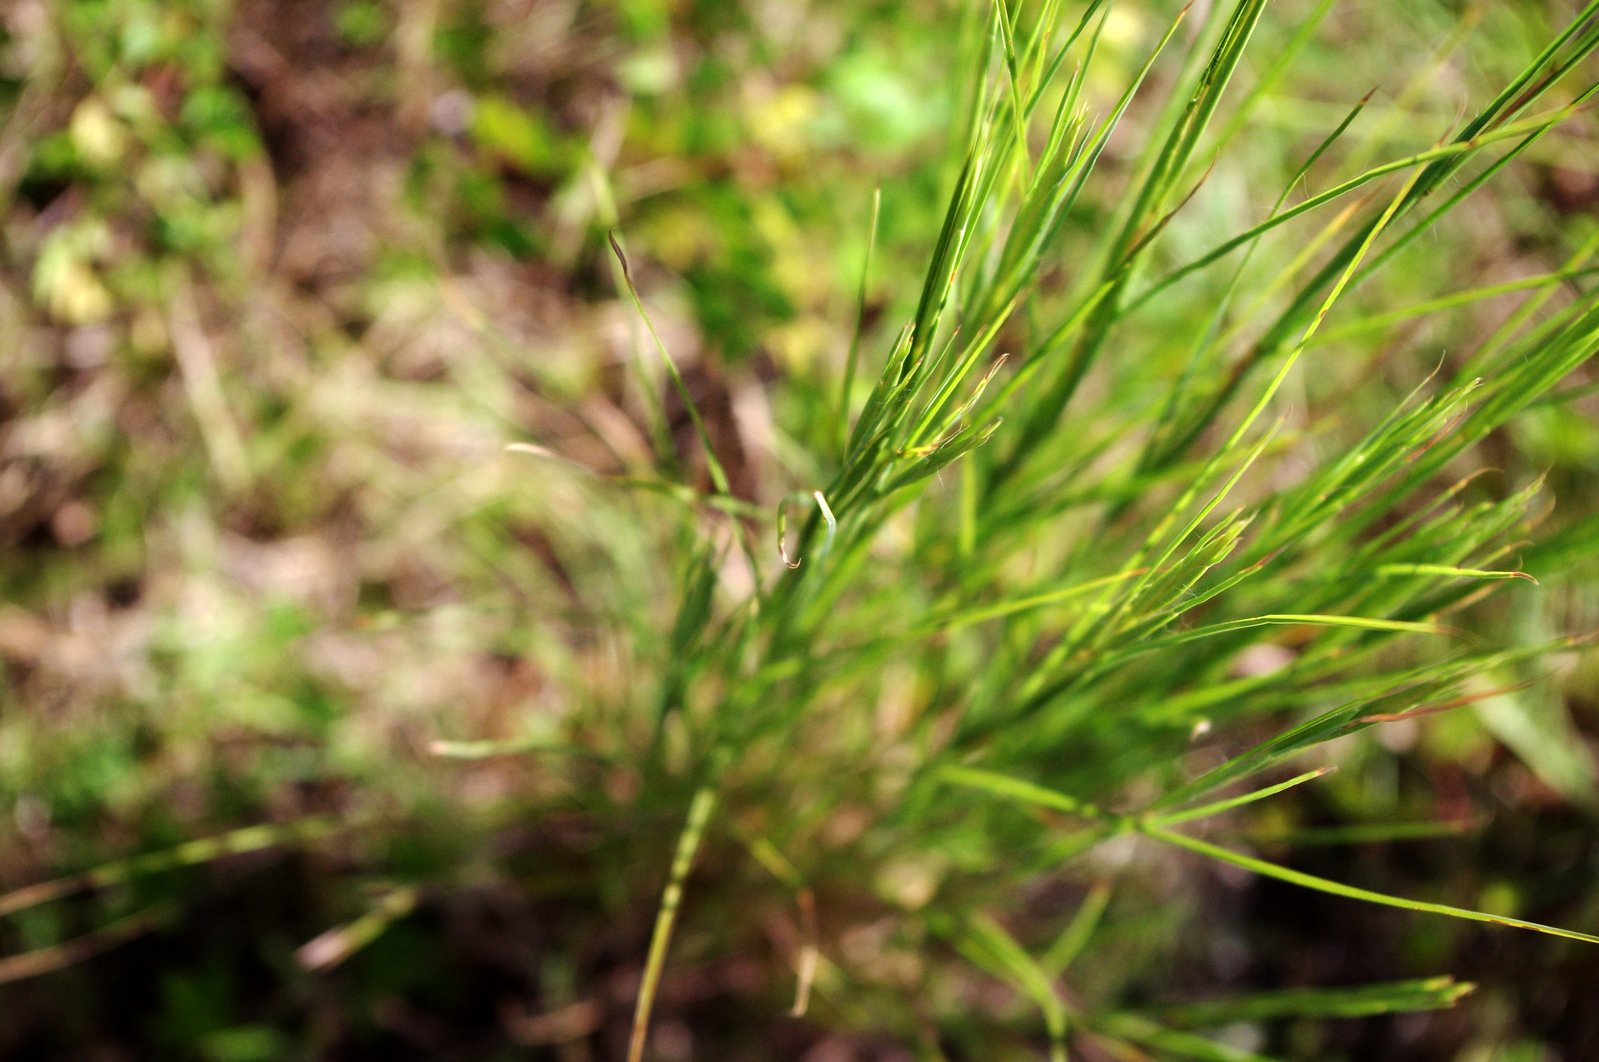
x: 1166, y: 491
x: 1074, y: 583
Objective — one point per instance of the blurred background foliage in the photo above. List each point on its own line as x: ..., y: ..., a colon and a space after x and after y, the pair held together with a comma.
x: 280, y: 279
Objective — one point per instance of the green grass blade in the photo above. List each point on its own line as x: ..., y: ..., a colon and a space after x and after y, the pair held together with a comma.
x: 1207, y: 810
x: 1079, y: 931
x: 1333, y: 888
x: 852, y: 359
x: 688, y: 843
x: 987, y: 944
x: 1360, y: 1001
x: 712, y: 464
x: 1018, y: 790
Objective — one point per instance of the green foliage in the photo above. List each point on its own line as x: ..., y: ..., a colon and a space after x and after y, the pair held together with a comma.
x: 1100, y: 697
x: 982, y: 482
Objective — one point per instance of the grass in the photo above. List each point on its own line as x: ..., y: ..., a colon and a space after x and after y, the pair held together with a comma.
x: 1082, y: 696
x: 905, y: 640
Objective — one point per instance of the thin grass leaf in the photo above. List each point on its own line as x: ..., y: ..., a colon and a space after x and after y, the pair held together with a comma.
x: 688, y: 843
x: 1384, y: 321
x: 852, y: 359
x: 986, y: 943
x: 1078, y: 932
x: 1017, y: 789
x: 190, y: 853
x: 1333, y: 888
x: 1542, y: 735
x: 517, y: 746
x: 1172, y: 1043
x: 712, y: 464
x: 1206, y: 811
x: 1362, y: 623
x: 1362, y: 833
x: 984, y: 613
x: 1441, y: 153
x: 1390, y: 571
x: 337, y: 945
x: 1360, y: 1001
x: 47, y: 960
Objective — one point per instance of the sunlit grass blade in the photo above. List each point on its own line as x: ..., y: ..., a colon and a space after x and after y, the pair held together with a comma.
x: 1333, y: 888
x: 1206, y: 811
x: 1385, y: 571
x: 1442, y: 153
x: 1384, y: 321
